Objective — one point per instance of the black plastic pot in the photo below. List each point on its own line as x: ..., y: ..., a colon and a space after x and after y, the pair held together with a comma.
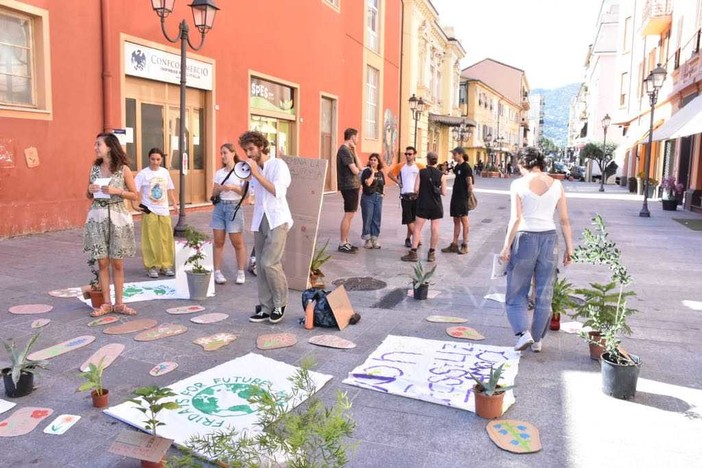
x: 421, y: 291
x: 25, y: 384
x: 669, y: 205
x: 619, y: 380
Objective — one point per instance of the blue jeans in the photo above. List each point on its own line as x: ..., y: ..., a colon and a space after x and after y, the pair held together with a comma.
x: 533, y: 255
x: 371, y: 212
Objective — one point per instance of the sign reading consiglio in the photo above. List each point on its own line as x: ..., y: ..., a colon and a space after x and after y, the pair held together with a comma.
x: 154, y: 64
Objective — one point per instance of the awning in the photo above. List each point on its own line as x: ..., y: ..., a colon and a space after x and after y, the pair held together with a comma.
x: 450, y: 120
x: 686, y: 121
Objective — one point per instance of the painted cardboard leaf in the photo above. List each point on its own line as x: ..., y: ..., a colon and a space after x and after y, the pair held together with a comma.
x: 514, y: 436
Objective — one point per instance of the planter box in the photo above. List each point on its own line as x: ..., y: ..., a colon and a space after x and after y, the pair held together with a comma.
x: 558, y: 176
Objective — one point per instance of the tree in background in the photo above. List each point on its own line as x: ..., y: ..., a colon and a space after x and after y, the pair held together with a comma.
x: 602, y: 155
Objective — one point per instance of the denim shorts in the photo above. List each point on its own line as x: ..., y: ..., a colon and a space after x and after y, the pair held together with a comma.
x: 222, y: 217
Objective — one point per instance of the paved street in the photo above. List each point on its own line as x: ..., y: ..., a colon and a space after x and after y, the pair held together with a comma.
x: 557, y: 390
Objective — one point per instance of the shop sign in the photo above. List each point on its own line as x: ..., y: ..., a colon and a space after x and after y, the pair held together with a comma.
x: 270, y: 96
x: 154, y: 64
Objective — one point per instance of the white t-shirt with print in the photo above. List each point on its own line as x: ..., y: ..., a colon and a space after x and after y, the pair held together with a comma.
x: 154, y: 187
x: 232, y: 180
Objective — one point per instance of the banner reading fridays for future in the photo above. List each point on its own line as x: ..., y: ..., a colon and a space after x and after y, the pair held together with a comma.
x: 218, y: 398
x: 434, y: 371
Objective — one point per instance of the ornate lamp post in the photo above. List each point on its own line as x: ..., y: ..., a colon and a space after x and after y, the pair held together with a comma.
x: 204, y: 12
x: 417, y: 107
x: 654, y: 82
x: 462, y: 132
x: 606, y: 120
x: 488, y: 146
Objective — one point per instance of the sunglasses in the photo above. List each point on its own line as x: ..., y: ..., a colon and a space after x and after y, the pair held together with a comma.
x: 409, y: 154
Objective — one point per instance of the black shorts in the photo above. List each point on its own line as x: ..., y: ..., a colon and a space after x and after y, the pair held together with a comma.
x: 459, y: 207
x: 350, y: 200
x: 409, y: 211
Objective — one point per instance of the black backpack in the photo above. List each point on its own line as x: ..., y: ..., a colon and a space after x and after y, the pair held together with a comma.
x: 323, y: 316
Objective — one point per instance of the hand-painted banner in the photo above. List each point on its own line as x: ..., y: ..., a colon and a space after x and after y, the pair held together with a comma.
x: 433, y: 371
x: 218, y: 398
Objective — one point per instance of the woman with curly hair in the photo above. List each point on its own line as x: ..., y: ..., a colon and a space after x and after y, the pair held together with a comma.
x: 108, y: 234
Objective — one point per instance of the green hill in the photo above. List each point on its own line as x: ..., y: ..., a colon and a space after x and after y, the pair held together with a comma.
x: 556, y: 105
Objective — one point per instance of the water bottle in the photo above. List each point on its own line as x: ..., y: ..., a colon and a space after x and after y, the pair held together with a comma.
x: 309, y: 315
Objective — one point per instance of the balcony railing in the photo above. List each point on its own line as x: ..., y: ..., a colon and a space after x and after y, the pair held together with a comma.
x: 656, y: 17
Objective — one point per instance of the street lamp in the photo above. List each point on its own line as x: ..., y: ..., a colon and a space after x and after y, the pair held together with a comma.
x: 462, y: 132
x: 606, y: 120
x: 654, y: 82
x: 417, y: 107
x: 488, y: 146
x: 499, y: 141
x: 204, y: 12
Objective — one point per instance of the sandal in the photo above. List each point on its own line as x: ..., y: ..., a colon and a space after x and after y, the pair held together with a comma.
x: 104, y: 309
x: 123, y: 309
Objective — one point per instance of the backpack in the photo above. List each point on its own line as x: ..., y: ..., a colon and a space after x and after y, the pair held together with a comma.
x: 323, y: 316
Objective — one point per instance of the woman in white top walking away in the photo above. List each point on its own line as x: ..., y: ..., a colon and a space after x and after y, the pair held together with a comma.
x: 531, y: 247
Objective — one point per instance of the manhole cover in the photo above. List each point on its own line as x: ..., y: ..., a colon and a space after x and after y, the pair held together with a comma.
x: 362, y: 283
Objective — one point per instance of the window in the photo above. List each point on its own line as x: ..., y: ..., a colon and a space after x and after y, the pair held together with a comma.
x: 24, y: 62
x: 627, y: 34
x: 373, y: 25
x: 623, y: 88
x: 332, y: 3
x: 372, y: 98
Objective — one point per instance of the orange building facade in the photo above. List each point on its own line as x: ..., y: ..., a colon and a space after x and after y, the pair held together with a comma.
x: 301, y: 72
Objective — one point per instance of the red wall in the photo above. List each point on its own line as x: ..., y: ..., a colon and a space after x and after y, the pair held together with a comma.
x: 304, y: 41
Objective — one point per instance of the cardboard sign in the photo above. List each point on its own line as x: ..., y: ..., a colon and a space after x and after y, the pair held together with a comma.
x: 27, y: 309
x: 23, y: 421
x: 163, y: 368
x: 61, y: 348
x: 140, y: 446
x: 61, y: 424
x: 275, y: 341
x: 107, y: 354
x: 103, y: 321
x: 66, y: 292
x: 210, y: 318
x: 514, y: 436
x: 465, y: 333
x: 162, y: 331
x: 130, y: 327
x: 340, y: 306
x: 216, y: 341
x: 305, y: 201
x: 331, y: 341
x: 6, y: 405
x: 445, y: 319
x: 185, y: 309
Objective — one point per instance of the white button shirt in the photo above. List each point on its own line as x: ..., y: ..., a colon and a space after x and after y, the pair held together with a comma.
x: 275, y: 207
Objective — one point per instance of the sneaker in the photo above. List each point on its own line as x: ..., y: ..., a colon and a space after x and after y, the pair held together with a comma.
x: 219, y: 277
x: 431, y: 256
x: 277, y: 314
x: 252, y: 265
x: 368, y: 244
x: 353, y: 247
x: 153, y: 273
x: 346, y: 248
x: 240, y: 277
x: 463, y: 249
x: 376, y: 244
x: 410, y: 257
x: 452, y: 248
x: 408, y: 243
x: 259, y: 316
x: 168, y: 272
x: 536, y: 347
x: 524, y: 341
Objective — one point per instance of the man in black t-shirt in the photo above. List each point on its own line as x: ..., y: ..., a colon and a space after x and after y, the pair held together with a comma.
x: 347, y: 171
x: 462, y: 185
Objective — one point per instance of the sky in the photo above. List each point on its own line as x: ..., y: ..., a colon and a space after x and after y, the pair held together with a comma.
x: 548, y: 39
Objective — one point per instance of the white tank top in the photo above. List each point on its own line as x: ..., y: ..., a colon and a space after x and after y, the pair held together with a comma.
x: 537, y: 210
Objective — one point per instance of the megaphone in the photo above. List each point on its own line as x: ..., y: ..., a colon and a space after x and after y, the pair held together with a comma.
x: 242, y: 170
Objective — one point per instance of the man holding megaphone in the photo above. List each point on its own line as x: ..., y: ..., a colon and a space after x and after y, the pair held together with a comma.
x: 270, y: 223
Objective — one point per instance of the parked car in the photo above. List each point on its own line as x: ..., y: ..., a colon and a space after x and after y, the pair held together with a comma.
x: 576, y: 172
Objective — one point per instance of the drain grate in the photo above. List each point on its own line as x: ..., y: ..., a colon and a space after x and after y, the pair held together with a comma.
x: 391, y: 299
x: 486, y: 221
x: 360, y: 283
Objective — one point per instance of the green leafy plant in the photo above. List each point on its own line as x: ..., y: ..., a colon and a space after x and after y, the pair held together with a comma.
x: 19, y: 363
x: 95, y: 280
x: 151, y: 401
x: 604, y: 307
x: 562, y: 300
x: 492, y: 386
x: 311, y: 437
x: 195, y: 240
x: 420, y: 275
x: 320, y: 258
x: 93, y: 378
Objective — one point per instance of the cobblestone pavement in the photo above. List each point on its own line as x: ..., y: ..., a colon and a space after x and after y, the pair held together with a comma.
x: 558, y: 390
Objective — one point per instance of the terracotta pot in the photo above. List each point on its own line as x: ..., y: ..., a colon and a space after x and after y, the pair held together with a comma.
x: 149, y: 464
x: 488, y: 406
x: 100, y: 401
x: 555, y: 323
x: 96, y: 298
x: 316, y: 281
x: 596, y: 349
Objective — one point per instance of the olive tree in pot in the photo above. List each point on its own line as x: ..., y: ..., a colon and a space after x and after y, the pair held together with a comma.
x: 19, y: 377
x: 606, y: 306
x: 489, y: 394
x: 93, y: 291
x: 420, y: 280
x: 151, y: 401
x: 198, y: 276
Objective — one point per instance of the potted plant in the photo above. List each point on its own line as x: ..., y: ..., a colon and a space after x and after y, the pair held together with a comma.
x: 93, y: 382
x: 420, y: 280
x: 320, y: 258
x: 620, y: 370
x: 198, y: 276
x: 93, y: 291
x: 19, y: 377
x: 560, y: 302
x: 151, y: 401
x: 671, y: 193
x: 489, y: 394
